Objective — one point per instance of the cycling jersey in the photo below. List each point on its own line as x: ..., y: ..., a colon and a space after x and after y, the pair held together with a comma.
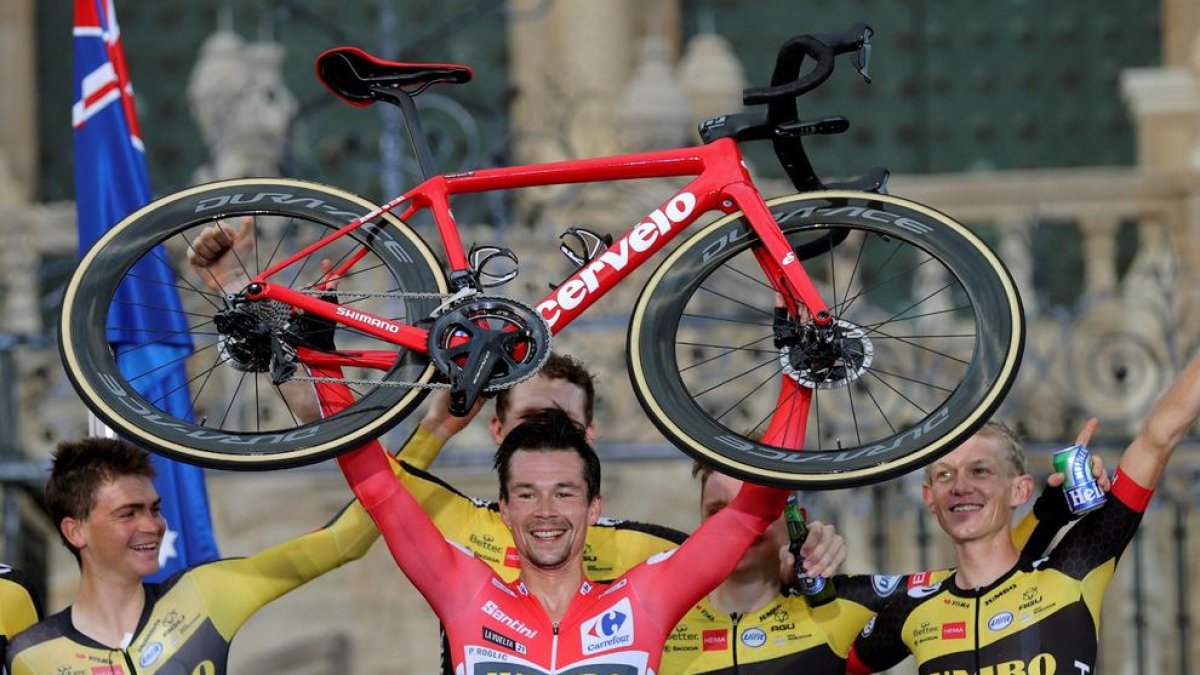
x: 189, y: 619
x: 787, y: 636
x: 613, y: 546
x: 18, y: 606
x: 1043, y: 616
x: 497, y: 626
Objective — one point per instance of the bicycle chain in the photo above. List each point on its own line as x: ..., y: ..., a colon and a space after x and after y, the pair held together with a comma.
x: 383, y: 383
x: 378, y: 294
x: 375, y: 383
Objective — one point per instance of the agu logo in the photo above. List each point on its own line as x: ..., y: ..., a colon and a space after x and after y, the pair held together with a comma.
x: 609, y: 630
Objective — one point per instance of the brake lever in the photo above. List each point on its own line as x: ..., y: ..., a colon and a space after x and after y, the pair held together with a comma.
x: 862, y: 58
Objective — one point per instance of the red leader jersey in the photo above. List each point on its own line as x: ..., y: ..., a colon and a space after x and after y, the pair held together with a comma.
x: 617, y: 628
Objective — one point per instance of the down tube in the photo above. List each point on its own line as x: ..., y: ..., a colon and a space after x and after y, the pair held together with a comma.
x: 591, y: 281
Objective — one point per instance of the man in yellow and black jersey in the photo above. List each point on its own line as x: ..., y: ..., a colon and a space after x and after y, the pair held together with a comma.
x: 107, y: 510
x: 752, y: 626
x: 1001, y: 612
x: 18, y: 607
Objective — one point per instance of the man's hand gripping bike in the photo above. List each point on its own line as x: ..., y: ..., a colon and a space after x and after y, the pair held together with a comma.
x: 835, y: 337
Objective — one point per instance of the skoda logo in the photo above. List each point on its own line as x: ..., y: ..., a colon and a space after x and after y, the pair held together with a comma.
x: 754, y: 637
x: 1000, y: 621
x: 885, y: 585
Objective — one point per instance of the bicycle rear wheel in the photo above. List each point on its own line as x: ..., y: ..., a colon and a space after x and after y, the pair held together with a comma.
x: 165, y: 376
x: 927, y: 336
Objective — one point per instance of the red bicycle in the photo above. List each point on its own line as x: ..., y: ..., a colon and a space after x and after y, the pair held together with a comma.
x: 871, y: 332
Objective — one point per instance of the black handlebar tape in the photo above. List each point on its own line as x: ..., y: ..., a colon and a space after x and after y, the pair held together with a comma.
x: 822, y: 48
x: 784, y: 82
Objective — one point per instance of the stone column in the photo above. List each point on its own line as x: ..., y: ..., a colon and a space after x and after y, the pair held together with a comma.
x: 18, y: 107
x: 1099, y: 254
x: 594, y: 44
x: 1180, y: 29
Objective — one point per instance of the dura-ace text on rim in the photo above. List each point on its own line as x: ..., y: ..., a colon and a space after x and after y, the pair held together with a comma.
x: 926, y: 339
x: 240, y: 422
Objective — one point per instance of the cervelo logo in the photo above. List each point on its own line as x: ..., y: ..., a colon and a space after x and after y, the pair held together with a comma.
x: 493, y: 610
x: 368, y: 319
x: 610, y: 629
x: 576, y: 290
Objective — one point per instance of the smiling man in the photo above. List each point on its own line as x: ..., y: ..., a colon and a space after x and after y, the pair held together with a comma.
x: 100, y: 496
x: 1004, y: 612
x: 553, y: 618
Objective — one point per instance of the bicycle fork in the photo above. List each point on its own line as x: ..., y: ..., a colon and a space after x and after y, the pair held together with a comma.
x: 796, y: 295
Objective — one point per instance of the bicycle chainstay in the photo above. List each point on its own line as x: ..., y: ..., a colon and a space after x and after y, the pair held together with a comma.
x: 447, y: 300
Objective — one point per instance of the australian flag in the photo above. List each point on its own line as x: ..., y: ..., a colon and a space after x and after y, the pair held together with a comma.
x: 145, y: 321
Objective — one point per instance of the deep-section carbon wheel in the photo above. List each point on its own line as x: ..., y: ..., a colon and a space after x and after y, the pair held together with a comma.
x: 925, y: 339
x: 120, y: 337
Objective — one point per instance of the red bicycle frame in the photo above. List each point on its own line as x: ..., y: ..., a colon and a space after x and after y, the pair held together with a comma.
x: 721, y: 183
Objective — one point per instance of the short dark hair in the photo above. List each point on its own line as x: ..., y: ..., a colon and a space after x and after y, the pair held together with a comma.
x: 80, y: 468
x: 550, y: 430
x: 559, y: 367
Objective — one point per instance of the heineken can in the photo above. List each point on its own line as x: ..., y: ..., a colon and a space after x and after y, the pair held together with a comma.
x: 1080, y: 488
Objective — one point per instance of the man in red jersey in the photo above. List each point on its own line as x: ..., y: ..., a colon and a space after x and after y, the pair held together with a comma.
x: 552, y: 618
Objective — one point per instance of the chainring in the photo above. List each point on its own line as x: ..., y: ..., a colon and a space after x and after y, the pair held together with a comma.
x: 517, y: 333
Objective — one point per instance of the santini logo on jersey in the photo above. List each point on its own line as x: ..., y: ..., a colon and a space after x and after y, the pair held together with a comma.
x: 609, y: 630
x: 491, y: 609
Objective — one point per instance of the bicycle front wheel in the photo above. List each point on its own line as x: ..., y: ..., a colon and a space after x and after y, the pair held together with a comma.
x: 196, y: 379
x: 926, y: 338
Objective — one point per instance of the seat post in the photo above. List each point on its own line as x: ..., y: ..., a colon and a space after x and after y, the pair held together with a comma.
x: 412, y: 126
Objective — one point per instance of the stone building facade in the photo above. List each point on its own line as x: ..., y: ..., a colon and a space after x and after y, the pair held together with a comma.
x: 624, y: 77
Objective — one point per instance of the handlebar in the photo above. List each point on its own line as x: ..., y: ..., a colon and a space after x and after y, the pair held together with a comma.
x: 786, y: 82
x: 782, y: 124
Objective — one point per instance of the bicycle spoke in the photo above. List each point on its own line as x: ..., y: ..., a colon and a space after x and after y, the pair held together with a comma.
x: 760, y: 385
x: 747, y: 305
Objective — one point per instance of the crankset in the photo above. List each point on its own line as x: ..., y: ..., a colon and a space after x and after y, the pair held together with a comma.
x: 484, y: 344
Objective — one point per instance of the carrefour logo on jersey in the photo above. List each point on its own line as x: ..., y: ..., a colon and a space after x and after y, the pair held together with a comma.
x: 610, y: 629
